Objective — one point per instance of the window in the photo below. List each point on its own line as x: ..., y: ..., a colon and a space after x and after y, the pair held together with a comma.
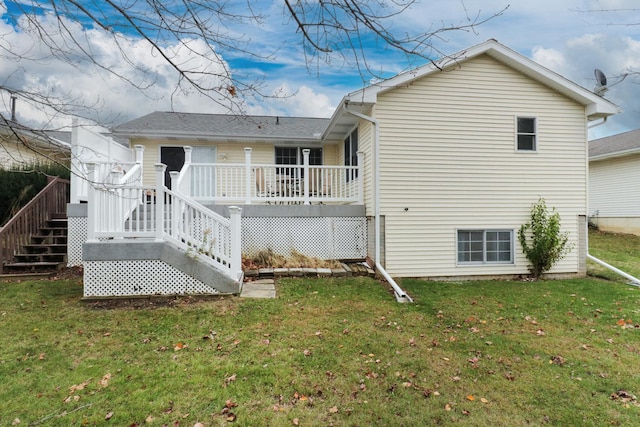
x: 351, y: 153
x: 293, y: 156
x: 485, y: 246
x: 527, y: 139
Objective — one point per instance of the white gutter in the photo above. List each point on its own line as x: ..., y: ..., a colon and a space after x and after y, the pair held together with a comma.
x: 401, y: 296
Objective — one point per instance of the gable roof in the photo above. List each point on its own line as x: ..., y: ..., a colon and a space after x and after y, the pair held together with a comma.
x: 217, y: 127
x: 207, y: 127
x: 361, y: 100
x: 618, y: 145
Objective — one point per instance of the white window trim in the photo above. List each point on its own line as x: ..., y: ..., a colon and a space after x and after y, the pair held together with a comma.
x: 484, y: 249
x: 535, y: 130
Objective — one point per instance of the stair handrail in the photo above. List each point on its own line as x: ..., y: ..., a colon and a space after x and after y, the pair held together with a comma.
x: 165, y: 215
x: 52, y: 199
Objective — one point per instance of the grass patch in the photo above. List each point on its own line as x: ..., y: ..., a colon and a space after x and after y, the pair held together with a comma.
x: 329, y: 351
x: 620, y: 250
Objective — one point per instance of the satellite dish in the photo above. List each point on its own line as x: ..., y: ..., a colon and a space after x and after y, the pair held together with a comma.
x: 601, y: 82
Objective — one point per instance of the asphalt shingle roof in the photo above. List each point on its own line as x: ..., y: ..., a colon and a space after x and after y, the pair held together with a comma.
x: 614, y: 144
x: 194, y: 125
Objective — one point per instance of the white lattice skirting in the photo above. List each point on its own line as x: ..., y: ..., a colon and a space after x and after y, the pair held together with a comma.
x: 138, y: 277
x: 319, y: 237
x: 76, y: 237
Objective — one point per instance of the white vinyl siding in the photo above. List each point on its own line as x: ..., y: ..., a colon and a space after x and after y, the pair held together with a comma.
x: 614, y: 187
x: 448, y: 162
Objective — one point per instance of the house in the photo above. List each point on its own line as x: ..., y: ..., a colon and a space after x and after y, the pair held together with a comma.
x: 614, y: 174
x: 429, y: 173
x: 22, y: 145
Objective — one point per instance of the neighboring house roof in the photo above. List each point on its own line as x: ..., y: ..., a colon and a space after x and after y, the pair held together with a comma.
x: 618, y: 145
x: 361, y: 100
x: 36, y: 142
x: 196, y: 126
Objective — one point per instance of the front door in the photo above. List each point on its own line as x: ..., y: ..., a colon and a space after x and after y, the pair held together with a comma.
x: 173, y: 157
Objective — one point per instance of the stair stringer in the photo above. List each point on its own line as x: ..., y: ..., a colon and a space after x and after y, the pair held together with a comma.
x: 148, y: 267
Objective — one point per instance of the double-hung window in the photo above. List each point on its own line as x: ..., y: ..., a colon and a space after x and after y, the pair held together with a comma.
x: 293, y: 157
x: 527, y: 137
x: 351, y: 154
x: 485, y: 246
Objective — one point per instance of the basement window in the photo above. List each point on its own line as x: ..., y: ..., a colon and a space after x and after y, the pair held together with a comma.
x: 485, y: 247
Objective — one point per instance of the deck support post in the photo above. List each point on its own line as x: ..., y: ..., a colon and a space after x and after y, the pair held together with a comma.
x: 305, y: 181
x: 160, y: 168
x: 360, y: 155
x: 174, y: 219
x: 236, y: 240
x: 91, y: 203
x: 247, y: 175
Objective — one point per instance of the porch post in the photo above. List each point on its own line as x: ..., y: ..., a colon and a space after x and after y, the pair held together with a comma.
x: 188, y: 151
x: 236, y: 240
x: 360, y: 155
x: 114, y: 221
x: 247, y: 175
x: 160, y: 168
x: 186, y: 172
x: 173, y: 219
x: 91, y: 203
x: 305, y: 165
x: 139, y: 150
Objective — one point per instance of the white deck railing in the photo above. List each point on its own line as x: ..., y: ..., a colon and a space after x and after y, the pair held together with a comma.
x: 264, y: 183
x: 165, y: 215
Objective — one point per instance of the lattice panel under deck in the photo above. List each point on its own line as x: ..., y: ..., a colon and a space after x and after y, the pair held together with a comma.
x: 138, y: 277
x: 77, y: 235
x: 320, y: 237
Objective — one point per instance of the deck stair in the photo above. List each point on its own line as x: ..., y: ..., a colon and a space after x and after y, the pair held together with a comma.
x: 46, y: 251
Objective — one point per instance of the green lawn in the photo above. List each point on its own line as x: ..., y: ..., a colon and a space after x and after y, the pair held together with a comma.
x: 326, y: 352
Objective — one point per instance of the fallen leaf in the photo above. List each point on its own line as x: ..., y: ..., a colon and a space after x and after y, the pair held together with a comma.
x: 108, y: 416
x: 15, y: 422
x: 412, y: 342
x: 333, y: 410
x: 80, y: 386
x: 470, y: 397
x: 621, y: 322
x: 229, y: 379
x: 198, y: 425
x: 104, y: 382
x: 149, y: 419
x: 307, y: 352
x: 41, y: 357
x: 447, y: 407
x: 179, y: 346
x: 483, y: 400
x: 295, y: 422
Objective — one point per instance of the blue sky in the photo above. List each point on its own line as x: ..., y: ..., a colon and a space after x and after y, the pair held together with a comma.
x: 567, y: 36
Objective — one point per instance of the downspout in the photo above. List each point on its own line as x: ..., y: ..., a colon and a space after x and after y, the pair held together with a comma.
x: 633, y: 281
x: 401, y: 296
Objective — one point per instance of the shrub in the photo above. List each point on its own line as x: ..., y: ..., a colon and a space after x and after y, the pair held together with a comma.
x: 547, y: 244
